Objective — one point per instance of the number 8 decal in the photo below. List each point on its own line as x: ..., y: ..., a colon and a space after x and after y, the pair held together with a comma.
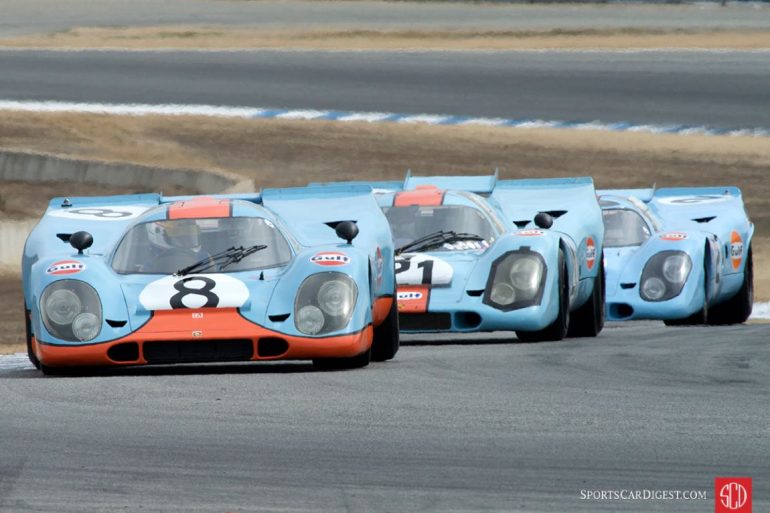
x: 197, y: 291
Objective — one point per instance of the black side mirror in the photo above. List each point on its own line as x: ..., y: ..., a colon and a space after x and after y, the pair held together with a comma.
x: 544, y: 220
x: 347, y: 231
x: 81, y: 241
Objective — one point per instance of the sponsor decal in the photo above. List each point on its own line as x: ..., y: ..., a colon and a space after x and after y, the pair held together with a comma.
x: 674, y: 236
x: 330, y: 258
x: 63, y: 267
x: 732, y: 495
x: 197, y: 333
x: 531, y: 233
x: 420, y: 269
x: 590, y: 253
x: 379, y: 266
x: 692, y: 200
x: 736, y: 250
x: 413, y: 299
x: 194, y: 291
x: 463, y: 245
x: 197, y: 315
x: 105, y: 213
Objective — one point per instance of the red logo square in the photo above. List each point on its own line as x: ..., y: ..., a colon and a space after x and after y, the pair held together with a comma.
x: 732, y: 495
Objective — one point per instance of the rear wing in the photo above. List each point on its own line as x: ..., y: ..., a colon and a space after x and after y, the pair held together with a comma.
x: 570, y: 201
x: 714, y: 209
x: 313, y: 212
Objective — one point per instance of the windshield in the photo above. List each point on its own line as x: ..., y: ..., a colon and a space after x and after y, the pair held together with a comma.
x: 163, y: 247
x: 624, y: 228
x: 413, y: 222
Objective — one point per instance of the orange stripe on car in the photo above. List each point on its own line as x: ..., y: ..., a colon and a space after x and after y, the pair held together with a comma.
x: 381, y: 309
x: 197, y: 208
x: 422, y: 195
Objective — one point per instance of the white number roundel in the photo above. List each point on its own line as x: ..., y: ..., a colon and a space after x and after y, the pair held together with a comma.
x: 194, y: 291
x: 97, y: 213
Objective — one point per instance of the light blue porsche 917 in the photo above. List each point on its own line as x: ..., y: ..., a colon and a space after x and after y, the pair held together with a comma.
x: 474, y: 253
x: 304, y: 273
x: 682, y: 255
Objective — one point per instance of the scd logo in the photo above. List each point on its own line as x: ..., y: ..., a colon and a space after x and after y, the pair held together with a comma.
x: 732, y: 494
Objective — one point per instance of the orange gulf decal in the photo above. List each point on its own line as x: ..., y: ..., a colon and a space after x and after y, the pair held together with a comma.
x: 590, y: 253
x: 193, y: 325
x: 736, y: 250
x: 423, y: 195
x: 381, y: 309
x: 413, y: 299
x: 199, y: 208
x: 674, y: 236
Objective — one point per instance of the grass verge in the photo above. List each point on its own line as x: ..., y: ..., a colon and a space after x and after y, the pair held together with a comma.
x: 245, y: 37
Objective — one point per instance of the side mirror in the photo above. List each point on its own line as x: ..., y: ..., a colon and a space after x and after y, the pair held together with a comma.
x: 347, y: 231
x: 543, y: 220
x: 81, y: 241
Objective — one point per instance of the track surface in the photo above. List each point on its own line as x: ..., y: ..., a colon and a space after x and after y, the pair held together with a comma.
x: 477, y: 425
x: 723, y: 90
x: 43, y: 16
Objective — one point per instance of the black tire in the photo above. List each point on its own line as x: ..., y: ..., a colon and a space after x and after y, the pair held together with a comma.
x: 737, y: 309
x: 386, y: 336
x: 28, y: 328
x: 557, y: 330
x: 354, y: 362
x: 588, y: 320
x: 698, y: 318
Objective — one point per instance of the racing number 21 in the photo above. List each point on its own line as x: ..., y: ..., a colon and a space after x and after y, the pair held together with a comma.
x: 403, y: 265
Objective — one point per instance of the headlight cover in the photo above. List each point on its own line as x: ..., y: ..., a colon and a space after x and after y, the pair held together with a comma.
x: 664, y: 275
x: 325, y: 303
x: 71, y: 310
x: 516, y: 280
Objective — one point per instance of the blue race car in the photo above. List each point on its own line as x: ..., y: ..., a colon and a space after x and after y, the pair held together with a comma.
x: 482, y: 254
x: 682, y: 255
x: 143, y: 279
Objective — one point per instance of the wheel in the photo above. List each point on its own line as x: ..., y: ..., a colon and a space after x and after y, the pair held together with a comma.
x: 386, y: 339
x: 699, y: 317
x: 737, y: 309
x: 588, y: 320
x: 28, y: 328
x: 557, y: 330
x: 355, y: 362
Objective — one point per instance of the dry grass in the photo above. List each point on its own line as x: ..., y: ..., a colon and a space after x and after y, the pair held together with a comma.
x: 284, y: 153
x: 228, y: 37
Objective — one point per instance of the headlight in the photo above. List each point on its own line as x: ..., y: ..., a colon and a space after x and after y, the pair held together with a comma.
x: 324, y: 303
x: 71, y: 310
x: 516, y: 280
x: 664, y: 275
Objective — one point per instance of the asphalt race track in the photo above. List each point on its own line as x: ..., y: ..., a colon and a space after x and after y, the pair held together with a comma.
x: 718, y: 89
x: 480, y: 424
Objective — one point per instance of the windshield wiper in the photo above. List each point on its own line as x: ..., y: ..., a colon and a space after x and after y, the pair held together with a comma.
x: 224, y: 258
x: 436, y: 239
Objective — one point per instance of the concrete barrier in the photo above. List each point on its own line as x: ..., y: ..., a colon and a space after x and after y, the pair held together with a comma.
x: 35, y: 168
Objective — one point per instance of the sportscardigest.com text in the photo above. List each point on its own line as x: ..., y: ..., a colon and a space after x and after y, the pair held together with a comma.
x: 643, y: 495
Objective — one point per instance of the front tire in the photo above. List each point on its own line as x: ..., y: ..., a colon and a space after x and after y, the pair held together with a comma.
x: 588, y: 320
x: 557, y: 330
x: 737, y: 309
x: 28, y: 329
x: 386, y: 336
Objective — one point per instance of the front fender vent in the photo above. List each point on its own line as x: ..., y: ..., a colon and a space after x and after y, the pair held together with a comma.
x: 115, y: 324
x: 279, y: 317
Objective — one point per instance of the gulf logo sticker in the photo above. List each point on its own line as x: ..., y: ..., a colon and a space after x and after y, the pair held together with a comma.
x: 330, y: 258
x: 736, y: 250
x: 65, y: 267
x: 674, y: 236
x: 531, y: 233
x: 408, y: 296
x: 590, y: 253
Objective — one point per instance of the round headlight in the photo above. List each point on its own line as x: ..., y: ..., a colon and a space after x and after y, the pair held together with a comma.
x: 525, y: 273
x: 335, y: 298
x: 310, y: 319
x: 676, y: 267
x: 62, y: 306
x: 86, y: 326
x: 503, y: 294
x: 653, y: 288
